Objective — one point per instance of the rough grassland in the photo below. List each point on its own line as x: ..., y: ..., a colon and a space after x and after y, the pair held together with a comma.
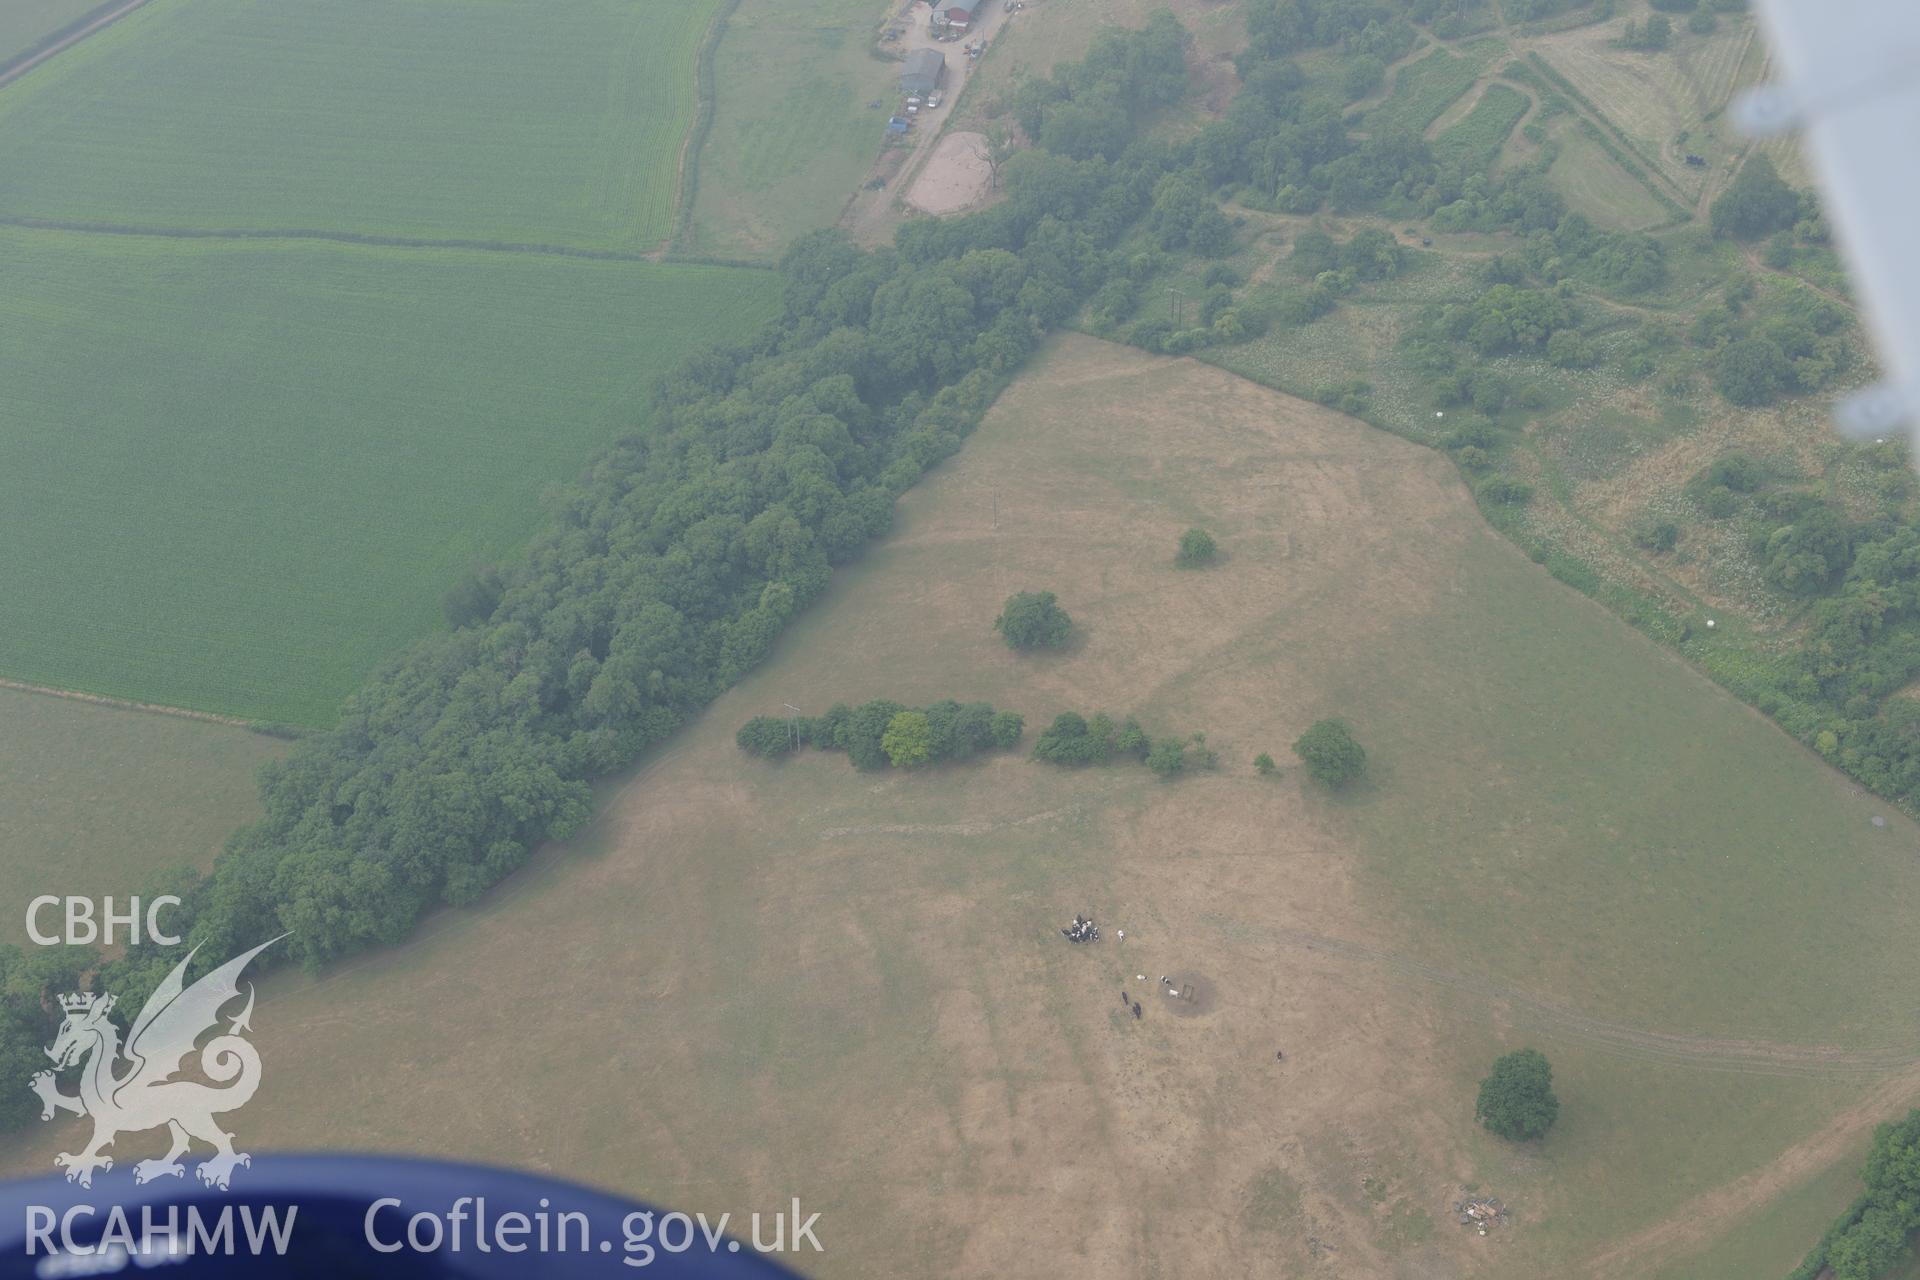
x: 498, y: 120
x: 1653, y: 97
x: 25, y: 23
x: 236, y: 475
x: 851, y: 988
x: 94, y: 799
x: 1597, y: 187
x: 1050, y: 34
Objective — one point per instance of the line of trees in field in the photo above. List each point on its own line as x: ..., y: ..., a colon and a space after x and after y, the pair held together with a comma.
x: 1074, y: 739
x: 881, y: 732
x: 668, y: 570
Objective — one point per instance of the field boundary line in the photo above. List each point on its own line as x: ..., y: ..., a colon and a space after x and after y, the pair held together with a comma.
x: 92, y: 23
x: 363, y: 239
x: 706, y: 97
x: 128, y: 704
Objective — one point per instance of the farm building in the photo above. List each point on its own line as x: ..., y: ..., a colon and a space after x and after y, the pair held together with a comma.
x: 925, y: 69
x: 953, y: 18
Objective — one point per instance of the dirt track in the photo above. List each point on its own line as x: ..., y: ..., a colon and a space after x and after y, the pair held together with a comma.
x: 1711, y: 1215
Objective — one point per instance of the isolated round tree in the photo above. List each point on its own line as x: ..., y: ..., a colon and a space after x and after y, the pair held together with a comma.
x: 1331, y: 755
x: 1196, y: 548
x: 1031, y: 620
x: 1516, y: 1101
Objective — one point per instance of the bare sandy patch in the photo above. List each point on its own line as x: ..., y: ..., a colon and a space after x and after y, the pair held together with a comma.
x: 956, y: 177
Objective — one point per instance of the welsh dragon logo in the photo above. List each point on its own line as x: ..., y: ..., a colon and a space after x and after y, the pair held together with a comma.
x: 146, y: 1095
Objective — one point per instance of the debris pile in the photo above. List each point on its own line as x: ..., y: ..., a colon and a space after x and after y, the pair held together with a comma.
x: 1482, y: 1215
x: 1083, y: 929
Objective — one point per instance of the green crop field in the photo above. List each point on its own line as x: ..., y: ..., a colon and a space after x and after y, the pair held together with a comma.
x: 234, y: 475
x: 1477, y: 138
x: 25, y: 23
x: 496, y: 120
x: 95, y: 799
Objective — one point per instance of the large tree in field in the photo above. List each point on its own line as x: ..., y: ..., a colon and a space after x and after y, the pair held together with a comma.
x: 1331, y: 755
x: 1032, y: 620
x: 1517, y: 1100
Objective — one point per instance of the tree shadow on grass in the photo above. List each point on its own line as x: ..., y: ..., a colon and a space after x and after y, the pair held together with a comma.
x: 1359, y: 793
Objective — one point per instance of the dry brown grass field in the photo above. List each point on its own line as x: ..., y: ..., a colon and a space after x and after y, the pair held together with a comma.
x: 751, y: 981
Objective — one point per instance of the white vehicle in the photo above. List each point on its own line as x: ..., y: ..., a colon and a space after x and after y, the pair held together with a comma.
x: 933, y: 100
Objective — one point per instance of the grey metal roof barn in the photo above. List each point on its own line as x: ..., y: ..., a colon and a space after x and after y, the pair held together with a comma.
x: 925, y: 69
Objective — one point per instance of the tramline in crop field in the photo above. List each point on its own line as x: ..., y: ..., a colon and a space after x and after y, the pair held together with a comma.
x: 496, y: 121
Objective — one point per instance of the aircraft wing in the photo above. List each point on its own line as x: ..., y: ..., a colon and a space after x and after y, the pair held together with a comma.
x: 1850, y: 82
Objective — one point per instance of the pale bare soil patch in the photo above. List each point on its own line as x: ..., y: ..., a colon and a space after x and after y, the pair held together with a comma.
x: 956, y: 176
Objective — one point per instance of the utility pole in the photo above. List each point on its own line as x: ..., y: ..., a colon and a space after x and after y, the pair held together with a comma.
x: 793, y: 726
